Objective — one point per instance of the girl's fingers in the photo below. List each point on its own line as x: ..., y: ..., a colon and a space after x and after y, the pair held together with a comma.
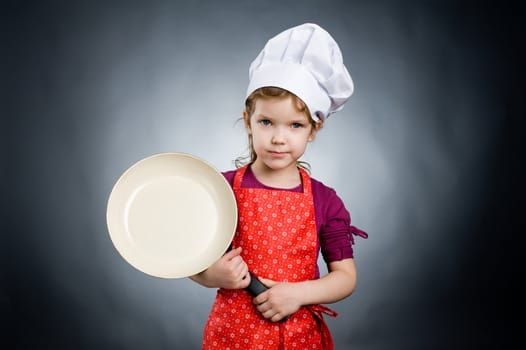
x: 269, y: 313
x: 276, y: 318
x: 260, y: 299
x: 233, y: 253
x: 263, y: 308
x: 244, y: 271
x: 238, y: 265
x: 239, y: 271
x: 267, y: 282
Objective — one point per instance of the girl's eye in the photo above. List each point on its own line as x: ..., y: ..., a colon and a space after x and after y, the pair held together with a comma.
x: 265, y: 122
x: 297, y: 125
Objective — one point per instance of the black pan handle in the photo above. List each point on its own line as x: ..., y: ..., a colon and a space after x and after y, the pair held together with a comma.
x: 255, y: 287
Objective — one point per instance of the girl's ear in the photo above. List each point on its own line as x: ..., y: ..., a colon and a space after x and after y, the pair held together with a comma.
x: 246, y: 119
x: 317, y: 127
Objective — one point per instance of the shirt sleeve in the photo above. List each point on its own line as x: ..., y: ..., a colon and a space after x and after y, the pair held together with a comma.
x: 335, y: 232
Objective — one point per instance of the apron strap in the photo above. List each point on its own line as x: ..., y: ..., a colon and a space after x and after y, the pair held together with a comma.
x: 305, y: 180
x: 318, y: 311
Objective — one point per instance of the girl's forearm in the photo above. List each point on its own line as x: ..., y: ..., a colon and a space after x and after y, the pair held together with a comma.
x: 338, y: 284
x: 333, y: 287
x: 202, y: 280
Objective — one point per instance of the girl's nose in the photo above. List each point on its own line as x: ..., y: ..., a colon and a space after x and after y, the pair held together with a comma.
x: 278, y: 137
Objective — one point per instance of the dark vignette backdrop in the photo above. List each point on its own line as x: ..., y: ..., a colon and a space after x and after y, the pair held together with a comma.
x: 428, y: 160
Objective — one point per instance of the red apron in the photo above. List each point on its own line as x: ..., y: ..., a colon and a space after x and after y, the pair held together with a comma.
x: 277, y: 231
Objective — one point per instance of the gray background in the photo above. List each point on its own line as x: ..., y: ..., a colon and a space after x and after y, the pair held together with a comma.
x: 425, y: 156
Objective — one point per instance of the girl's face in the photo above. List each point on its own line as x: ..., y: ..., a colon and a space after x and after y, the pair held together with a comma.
x: 280, y: 133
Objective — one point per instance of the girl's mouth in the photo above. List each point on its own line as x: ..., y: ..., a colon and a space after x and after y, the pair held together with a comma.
x: 277, y: 154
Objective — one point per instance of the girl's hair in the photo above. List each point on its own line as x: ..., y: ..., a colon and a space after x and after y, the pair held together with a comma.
x: 250, y: 105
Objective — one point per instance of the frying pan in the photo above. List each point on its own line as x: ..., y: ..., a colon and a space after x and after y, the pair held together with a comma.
x: 171, y: 215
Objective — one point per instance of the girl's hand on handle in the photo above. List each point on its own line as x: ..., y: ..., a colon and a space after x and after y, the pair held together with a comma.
x: 284, y: 298
x: 279, y: 301
x: 229, y: 272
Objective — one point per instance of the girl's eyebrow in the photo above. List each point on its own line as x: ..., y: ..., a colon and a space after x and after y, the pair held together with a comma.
x: 299, y: 121
x: 263, y: 116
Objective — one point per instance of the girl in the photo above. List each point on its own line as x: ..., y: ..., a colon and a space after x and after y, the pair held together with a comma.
x: 285, y: 216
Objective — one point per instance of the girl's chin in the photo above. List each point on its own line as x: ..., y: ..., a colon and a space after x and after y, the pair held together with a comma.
x: 277, y: 165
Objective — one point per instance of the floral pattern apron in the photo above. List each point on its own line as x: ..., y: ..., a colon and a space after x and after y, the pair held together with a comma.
x: 277, y: 231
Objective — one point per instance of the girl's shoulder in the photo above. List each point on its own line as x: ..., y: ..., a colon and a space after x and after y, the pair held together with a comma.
x: 229, y: 176
x: 321, y: 188
x: 323, y: 192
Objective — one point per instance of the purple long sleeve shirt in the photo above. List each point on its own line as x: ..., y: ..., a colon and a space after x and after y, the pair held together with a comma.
x: 332, y: 218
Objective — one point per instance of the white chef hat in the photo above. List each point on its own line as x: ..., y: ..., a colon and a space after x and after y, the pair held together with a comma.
x: 306, y: 61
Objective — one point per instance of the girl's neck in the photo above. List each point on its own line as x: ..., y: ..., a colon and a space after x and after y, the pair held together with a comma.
x: 283, y: 178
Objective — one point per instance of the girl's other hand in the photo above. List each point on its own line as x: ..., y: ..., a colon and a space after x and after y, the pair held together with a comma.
x: 229, y: 272
x: 279, y: 301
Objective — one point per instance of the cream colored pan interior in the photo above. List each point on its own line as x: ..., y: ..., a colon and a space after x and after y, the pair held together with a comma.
x: 171, y: 215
